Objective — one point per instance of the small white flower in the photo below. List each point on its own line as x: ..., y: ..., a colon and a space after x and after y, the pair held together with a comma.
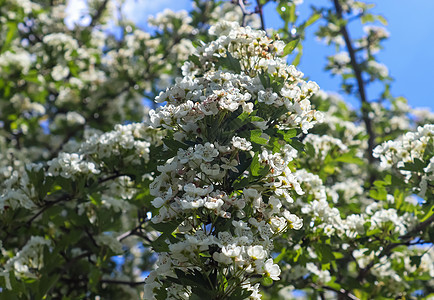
x: 256, y: 252
x: 241, y: 143
x: 271, y: 269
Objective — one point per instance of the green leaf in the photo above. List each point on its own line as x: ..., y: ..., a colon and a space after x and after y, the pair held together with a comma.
x: 194, y: 59
x: 280, y: 256
x: 399, y: 198
x: 312, y: 19
x: 256, y: 137
x: 70, y: 239
x: 429, y: 150
x: 231, y: 63
x: 300, y: 255
x: 94, y: 277
x: 264, y: 171
x: 379, y: 183
x: 381, y: 19
x: 265, y: 79
x: 299, y: 146
x: 46, y: 283
x: 416, y: 260
x: 267, y: 281
x: 161, y: 294
x: 165, y: 228
x: 292, y: 13
x: 366, y: 226
x: 428, y: 214
x: 200, y: 286
x: 276, y: 145
x: 160, y: 245
x: 173, y: 279
x: 255, y: 165
x: 240, y: 294
x: 324, y: 252
x: 388, y: 179
x: 286, y: 11
x: 289, y: 134
x: 96, y: 199
x: 256, y: 119
x: 378, y: 194
x: 416, y: 166
x: 239, y: 184
x: 349, y: 158
x: 12, y: 30
x: 174, y: 145
x: 196, y: 44
x: 310, y: 150
x: 297, y: 58
x: 290, y: 46
x: 334, y: 285
x: 374, y: 231
x: 237, y: 123
x: 329, y: 169
x: 367, y: 18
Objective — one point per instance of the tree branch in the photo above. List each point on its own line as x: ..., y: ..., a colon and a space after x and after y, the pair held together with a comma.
x: 360, y: 84
x: 98, y: 14
x: 388, y: 249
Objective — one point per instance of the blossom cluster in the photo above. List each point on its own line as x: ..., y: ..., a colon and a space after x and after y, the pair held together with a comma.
x: 75, y: 173
x: 395, y: 270
x: 408, y: 150
x: 228, y: 192
x: 329, y: 219
x: 85, y: 160
x: 256, y: 56
x: 410, y: 146
x: 28, y: 261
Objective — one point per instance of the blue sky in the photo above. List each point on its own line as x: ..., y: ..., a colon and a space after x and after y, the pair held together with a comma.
x: 408, y: 53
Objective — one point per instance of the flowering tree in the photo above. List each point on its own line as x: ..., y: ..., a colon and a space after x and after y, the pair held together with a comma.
x: 241, y: 181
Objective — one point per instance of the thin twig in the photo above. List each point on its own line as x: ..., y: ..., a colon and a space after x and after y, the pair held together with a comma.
x: 90, y: 236
x: 260, y: 13
x: 342, y: 292
x: 421, y: 226
x: 131, y: 232
x: 130, y: 283
x: 137, y: 231
x: 66, y: 139
x: 47, y: 205
x: 111, y: 177
x: 244, y: 11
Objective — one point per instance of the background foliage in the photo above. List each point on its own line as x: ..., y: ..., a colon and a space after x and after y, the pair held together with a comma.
x: 81, y: 158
